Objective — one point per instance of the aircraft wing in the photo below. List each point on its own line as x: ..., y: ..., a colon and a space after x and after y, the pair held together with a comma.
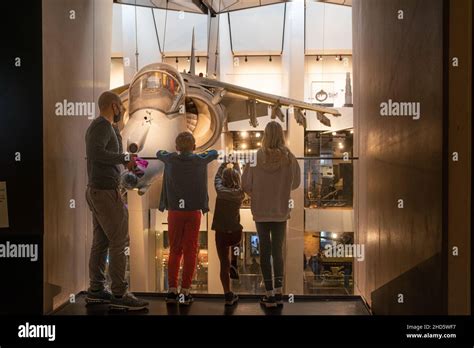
x: 121, y: 89
x: 236, y: 99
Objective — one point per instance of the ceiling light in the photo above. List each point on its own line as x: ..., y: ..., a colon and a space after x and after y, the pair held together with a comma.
x: 319, y: 58
x: 341, y: 145
x: 198, y: 60
x: 257, y: 134
x: 188, y: 59
x: 246, y: 59
x: 270, y: 59
x: 352, y: 131
x: 177, y: 61
x: 309, y: 150
x: 244, y: 134
x: 334, y: 133
x: 334, y: 235
x: 259, y: 144
x: 243, y: 146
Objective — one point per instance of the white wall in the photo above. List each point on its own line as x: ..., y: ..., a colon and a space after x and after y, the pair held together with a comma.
x: 116, y: 73
x: 253, y: 34
x: 333, y: 75
x: 332, y: 220
x: 134, y: 30
x: 147, y: 44
x: 76, y: 67
x: 328, y: 28
x: 183, y: 64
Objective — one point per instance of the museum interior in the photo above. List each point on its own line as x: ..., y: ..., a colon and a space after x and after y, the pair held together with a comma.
x: 374, y: 188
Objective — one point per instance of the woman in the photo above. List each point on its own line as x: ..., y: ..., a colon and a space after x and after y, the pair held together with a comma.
x: 269, y: 184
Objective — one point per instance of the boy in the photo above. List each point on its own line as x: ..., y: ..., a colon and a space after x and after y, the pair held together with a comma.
x: 184, y: 195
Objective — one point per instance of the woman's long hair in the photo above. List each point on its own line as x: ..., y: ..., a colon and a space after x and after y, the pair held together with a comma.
x: 231, y: 178
x: 274, y: 140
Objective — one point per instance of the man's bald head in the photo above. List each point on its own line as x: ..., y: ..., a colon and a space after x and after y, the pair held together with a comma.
x: 106, y: 100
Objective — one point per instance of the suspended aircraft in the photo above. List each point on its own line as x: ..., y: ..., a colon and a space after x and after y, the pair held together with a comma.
x: 162, y: 102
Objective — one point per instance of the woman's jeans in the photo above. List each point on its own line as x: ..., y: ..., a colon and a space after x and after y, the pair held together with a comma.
x: 271, y: 236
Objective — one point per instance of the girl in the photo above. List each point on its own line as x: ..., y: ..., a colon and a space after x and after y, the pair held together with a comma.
x: 269, y: 184
x: 226, y: 223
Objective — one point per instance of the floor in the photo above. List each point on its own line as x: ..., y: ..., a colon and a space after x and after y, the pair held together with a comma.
x: 209, y: 305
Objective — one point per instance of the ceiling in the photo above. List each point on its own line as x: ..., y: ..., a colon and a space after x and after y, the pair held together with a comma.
x: 338, y: 2
x: 201, y: 6
x: 214, y: 6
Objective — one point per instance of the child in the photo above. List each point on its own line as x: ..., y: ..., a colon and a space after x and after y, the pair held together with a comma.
x: 184, y: 195
x: 226, y: 223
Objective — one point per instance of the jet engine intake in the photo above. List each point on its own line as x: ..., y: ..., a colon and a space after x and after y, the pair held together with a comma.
x: 204, y: 119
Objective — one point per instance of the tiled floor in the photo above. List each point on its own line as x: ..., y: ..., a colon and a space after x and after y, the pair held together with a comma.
x: 215, y: 306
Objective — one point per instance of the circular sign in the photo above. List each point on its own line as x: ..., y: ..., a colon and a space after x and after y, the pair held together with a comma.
x: 321, y: 96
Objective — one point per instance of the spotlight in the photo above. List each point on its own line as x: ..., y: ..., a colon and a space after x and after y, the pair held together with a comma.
x: 341, y: 145
x: 246, y: 59
x: 188, y: 59
x: 259, y: 144
x: 198, y: 60
x: 244, y: 134
x: 177, y: 61
x: 257, y: 134
x: 309, y: 150
x: 352, y: 131
x: 243, y: 146
x: 270, y: 59
x: 334, y: 133
x: 334, y: 235
x: 339, y: 58
x: 319, y: 58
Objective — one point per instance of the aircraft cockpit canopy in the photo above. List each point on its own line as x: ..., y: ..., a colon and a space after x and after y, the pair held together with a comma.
x: 157, y: 87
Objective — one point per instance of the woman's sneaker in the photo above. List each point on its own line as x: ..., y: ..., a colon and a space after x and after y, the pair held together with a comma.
x: 268, y: 301
x: 231, y: 299
x: 279, y: 300
x: 129, y: 302
x: 99, y: 296
x: 171, y: 297
x: 185, y: 300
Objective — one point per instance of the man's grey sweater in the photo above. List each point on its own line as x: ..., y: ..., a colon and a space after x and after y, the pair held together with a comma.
x: 104, y: 154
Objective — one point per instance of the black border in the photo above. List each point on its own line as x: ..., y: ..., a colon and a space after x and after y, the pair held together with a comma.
x: 21, y: 129
x: 445, y: 162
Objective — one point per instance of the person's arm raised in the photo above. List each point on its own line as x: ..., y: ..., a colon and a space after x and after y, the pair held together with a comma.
x: 219, y: 186
x: 163, y: 155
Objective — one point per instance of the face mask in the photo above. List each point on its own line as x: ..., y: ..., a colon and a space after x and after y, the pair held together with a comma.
x: 117, y: 117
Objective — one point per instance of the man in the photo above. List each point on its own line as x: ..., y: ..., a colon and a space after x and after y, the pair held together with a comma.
x: 110, y: 215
